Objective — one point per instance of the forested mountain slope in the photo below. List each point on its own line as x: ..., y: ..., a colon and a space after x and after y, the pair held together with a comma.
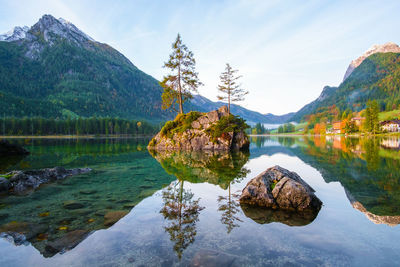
x: 377, y: 77
x: 54, y: 70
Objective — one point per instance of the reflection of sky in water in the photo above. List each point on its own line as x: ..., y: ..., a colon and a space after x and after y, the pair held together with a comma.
x: 340, y: 235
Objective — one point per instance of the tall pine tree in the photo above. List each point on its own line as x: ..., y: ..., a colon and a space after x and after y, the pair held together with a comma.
x: 183, y: 80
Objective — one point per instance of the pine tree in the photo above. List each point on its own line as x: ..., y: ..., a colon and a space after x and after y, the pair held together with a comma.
x: 371, y: 123
x: 229, y: 86
x: 179, y: 85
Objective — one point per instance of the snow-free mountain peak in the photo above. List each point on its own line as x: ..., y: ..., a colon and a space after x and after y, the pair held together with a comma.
x: 50, y: 27
x: 385, y: 48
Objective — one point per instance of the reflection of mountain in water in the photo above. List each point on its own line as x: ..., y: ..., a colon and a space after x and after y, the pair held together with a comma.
x: 59, y: 216
x: 377, y: 219
x: 370, y: 174
x: 218, y: 168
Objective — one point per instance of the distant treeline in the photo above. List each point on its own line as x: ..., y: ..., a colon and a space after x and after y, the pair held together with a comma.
x: 81, y: 126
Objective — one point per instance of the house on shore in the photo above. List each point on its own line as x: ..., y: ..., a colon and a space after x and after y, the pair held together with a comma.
x: 391, y: 125
x: 358, y: 121
x: 338, y: 127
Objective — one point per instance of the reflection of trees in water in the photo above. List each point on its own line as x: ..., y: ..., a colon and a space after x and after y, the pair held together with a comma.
x: 286, y: 141
x: 258, y: 141
x: 229, y: 206
x: 371, y: 148
x: 182, y: 212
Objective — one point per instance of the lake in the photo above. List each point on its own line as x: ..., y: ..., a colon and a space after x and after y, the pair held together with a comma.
x: 181, y: 208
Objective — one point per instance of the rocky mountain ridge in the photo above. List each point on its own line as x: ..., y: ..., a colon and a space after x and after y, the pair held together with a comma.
x: 385, y: 48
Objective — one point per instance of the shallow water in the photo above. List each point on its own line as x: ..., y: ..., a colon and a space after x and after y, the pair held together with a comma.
x: 182, y: 208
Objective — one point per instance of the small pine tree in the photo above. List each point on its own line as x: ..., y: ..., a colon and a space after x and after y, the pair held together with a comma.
x: 229, y: 86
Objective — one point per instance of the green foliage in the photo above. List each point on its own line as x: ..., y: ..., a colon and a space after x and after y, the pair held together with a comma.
x: 259, y: 129
x: 229, y: 86
x: 378, y: 77
x: 287, y: 128
x: 226, y: 125
x: 80, y: 126
x: 7, y: 176
x: 273, y: 184
x: 70, y: 81
x: 181, y: 123
x: 371, y: 123
x: 183, y: 78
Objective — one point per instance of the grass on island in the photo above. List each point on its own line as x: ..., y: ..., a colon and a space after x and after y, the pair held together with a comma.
x: 7, y: 176
x: 183, y: 122
x: 226, y: 125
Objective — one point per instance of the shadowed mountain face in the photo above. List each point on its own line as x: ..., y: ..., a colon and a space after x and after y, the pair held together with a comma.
x: 366, y: 168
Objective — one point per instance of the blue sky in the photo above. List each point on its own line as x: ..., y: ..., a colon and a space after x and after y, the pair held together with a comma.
x: 285, y: 50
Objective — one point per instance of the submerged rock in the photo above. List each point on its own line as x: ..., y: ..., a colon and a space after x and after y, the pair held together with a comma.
x: 8, y: 149
x: 212, y: 258
x: 215, y: 130
x: 4, y: 184
x: 67, y: 242
x: 19, y: 232
x: 279, y: 188
x: 73, y: 205
x: 21, y: 182
x: 114, y: 216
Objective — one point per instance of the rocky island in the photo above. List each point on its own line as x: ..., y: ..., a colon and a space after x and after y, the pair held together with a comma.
x: 216, y: 130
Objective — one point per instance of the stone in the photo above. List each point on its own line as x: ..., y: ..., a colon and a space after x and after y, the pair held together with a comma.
x: 212, y: 258
x: 199, y: 138
x: 8, y: 149
x: 4, y: 185
x: 67, y: 242
x: 279, y: 188
x: 17, y: 229
x: 22, y: 182
x: 114, y: 216
x: 72, y: 205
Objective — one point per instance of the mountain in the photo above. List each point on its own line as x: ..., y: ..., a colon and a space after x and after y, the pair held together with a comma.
x: 53, y: 69
x: 385, y: 48
x: 374, y: 75
x: 252, y: 117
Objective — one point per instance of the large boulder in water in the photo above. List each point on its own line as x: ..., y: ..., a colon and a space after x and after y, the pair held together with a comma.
x: 216, y: 130
x: 279, y: 188
x: 8, y: 149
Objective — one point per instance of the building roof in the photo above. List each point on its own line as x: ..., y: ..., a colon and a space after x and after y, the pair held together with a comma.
x: 390, y: 121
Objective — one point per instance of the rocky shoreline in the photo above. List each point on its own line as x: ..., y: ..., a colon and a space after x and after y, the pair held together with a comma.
x: 23, y: 182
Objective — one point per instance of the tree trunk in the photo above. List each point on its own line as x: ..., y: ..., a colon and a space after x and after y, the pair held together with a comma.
x: 229, y: 103
x: 180, y: 90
